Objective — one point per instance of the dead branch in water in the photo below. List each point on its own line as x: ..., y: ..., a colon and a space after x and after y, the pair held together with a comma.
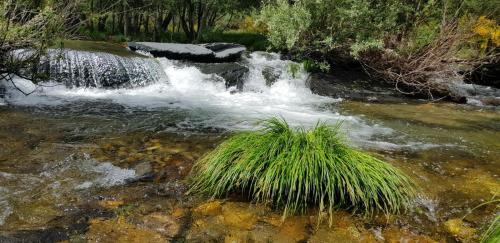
x: 416, y: 73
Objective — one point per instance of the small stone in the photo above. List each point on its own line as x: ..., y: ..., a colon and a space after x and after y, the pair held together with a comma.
x: 238, y: 216
x: 179, y: 213
x: 293, y: 229
x: 162, y: 223
x: 208, y: 209
x: 153, y: 148
x: 144, y: 170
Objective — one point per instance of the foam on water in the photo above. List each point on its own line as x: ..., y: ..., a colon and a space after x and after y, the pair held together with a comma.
x: 209, y: 103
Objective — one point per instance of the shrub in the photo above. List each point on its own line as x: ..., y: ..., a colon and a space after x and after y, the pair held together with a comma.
x: 294, y: 169
x: 488, y: 31
x: 285, y: 23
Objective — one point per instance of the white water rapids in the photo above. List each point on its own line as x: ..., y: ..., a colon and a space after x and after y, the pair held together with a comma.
x: 209, y: 103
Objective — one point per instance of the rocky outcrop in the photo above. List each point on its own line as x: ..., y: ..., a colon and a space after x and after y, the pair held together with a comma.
x: 206, y: 53
x: 234, y: 74
x: 226, y: 52
x: 352, y: 85
x: 472, y: 94
x: 355, y: 85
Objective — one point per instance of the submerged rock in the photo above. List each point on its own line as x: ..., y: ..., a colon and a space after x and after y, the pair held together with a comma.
x: 166, y: 225
x: 396, y: 235
x: 214, y: 52
x: 226, y: 52
x: 118, y: 230
x: 144, y: 171
x: 111, y: 204
x: 239, y: 216
x: 459, y: 230
x: 353, y: 85
x: 208, y: 209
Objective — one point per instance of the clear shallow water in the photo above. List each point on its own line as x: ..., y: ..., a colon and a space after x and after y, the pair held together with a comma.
x: 66, y: 149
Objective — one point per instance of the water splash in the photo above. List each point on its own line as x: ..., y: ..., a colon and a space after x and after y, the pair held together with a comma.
x: 192, y: 99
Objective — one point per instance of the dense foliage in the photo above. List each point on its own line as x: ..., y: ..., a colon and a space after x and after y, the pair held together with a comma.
x: 404, y: 42
x: 296, y: 169
x: 31, y: 26
x: 182, y: 20
x: 363, y: 24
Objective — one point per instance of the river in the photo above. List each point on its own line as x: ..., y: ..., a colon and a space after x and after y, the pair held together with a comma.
x: 79, y: 163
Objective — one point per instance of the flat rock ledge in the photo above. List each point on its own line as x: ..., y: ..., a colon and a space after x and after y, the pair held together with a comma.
x: 206, y: 53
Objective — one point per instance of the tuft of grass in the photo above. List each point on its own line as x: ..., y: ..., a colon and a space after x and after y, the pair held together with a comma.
x: 294, y: 169
x: 492, y: 234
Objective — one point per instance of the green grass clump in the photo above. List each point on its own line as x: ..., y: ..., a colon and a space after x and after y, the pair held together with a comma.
x: 492, y: 234
x: 295, y: 169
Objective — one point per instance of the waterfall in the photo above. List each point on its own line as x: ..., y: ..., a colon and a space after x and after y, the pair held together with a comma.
x: 100, y: 70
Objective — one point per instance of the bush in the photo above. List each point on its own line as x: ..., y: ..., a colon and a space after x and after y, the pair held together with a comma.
x: 285, y: 23
x: 294, y: 169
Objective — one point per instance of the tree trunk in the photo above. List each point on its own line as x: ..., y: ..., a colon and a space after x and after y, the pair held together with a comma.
x: 146, y: 24
x: 90, y: 22
x: 113, y: 22
x: 125, y: 19
x: 101, y: 24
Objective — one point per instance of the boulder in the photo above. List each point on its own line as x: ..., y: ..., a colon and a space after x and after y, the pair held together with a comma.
x: 473, y: 94
x: 234, y: 74
x: 226, y: 52
x: 144, y: 171
x: 207, y: 53
x: 174, y: 51
x: 271, y: 75
x: 353, y: 85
